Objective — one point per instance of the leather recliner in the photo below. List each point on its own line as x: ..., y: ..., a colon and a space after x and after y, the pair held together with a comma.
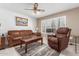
x: 60, y: 40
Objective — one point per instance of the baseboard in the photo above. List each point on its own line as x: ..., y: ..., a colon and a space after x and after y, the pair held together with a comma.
x: 72, y: 43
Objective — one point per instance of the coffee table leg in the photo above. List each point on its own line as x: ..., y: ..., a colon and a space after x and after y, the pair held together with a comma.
x: 41, y: 41
x: 21, y: 45
x: 25, y: 48
x: 75, y: 44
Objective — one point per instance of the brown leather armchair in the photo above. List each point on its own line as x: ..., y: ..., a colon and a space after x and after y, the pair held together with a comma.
x: 60, y: 40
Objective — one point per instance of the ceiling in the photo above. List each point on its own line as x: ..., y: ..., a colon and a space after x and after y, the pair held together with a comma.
x: 50, y: 8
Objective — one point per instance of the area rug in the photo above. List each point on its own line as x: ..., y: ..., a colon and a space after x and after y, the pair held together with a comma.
x: 36, y: 49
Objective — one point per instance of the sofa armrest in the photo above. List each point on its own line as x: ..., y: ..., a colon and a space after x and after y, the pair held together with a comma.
x: 37, y: 34
x: 9, y: 36
x: 10, y: 39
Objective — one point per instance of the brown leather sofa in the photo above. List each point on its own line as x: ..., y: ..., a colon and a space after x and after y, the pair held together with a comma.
x: 60, y: 40
x: 14, y: 36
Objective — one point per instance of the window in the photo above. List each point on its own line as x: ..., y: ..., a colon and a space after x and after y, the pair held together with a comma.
x: 50, y: 25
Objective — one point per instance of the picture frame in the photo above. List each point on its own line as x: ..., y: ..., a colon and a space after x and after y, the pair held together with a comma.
x: 21, y: 21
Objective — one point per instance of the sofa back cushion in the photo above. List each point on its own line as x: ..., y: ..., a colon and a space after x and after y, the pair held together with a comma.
x: 20, y: 32
x: 14, y: 33
x: 26, y: 32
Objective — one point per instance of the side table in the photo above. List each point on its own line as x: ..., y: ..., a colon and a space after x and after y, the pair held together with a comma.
x: 2, y: 42
x: 75, y: 37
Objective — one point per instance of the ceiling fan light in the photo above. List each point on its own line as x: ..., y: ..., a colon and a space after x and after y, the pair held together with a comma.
x: 36, y: 13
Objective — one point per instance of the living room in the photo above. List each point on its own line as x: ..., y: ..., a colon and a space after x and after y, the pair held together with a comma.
x: 27, y: 29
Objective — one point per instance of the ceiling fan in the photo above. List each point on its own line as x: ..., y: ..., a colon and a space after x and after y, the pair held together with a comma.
x: 36, y: 9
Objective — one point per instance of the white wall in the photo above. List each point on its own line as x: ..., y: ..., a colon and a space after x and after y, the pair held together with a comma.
x: 8, y: 21
x: 72, y: 21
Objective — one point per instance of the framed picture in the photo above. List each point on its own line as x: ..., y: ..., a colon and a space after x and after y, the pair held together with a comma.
x: 21, y: 21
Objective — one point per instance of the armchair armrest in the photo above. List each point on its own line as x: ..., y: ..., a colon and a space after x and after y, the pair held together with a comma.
x: 61, y: 36
x: 51, y: 35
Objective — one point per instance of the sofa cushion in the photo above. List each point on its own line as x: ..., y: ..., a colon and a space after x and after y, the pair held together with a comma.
x: 26, y: 32
x: 15, y: 38
x: 26, y: 37
x: 14, y: 34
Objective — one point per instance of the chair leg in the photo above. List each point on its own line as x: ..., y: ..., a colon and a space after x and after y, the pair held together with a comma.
x: 25, y: 48
x: 41, y: 41
x: 21, y: 45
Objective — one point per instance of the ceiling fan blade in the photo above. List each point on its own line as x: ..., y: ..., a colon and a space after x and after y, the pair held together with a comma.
x: 35, y: 8
x: 28, y: 9
x: 41, y: 10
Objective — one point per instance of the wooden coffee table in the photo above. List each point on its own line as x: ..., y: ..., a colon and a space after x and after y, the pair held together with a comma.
x: 30, y: 40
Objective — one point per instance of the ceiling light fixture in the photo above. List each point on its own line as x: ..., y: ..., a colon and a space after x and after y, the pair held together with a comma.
x: 35, y: 9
